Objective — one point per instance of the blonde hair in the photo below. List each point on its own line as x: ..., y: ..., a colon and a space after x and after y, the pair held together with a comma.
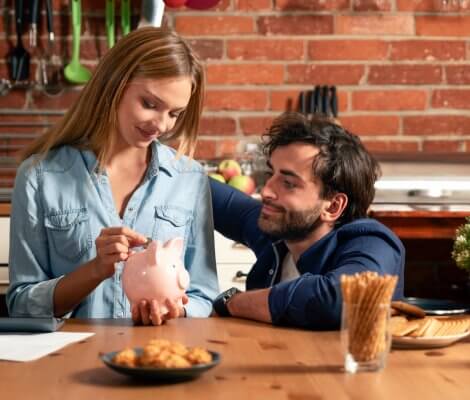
x: 148, y: 52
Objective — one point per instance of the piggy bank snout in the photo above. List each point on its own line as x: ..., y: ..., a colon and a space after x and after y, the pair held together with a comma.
x: 183, y: 279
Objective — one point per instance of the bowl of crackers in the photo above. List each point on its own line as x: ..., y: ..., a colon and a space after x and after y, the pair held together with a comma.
x: 162, y: 360
x: 411, y: 328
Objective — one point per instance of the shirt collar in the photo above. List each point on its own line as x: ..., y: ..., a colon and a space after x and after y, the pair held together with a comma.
x: 159, y: 160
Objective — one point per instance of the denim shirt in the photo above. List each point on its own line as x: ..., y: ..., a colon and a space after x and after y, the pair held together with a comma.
x: 59, y: 207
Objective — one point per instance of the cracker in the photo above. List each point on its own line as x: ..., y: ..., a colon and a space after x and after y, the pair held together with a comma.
x: 408, y: 309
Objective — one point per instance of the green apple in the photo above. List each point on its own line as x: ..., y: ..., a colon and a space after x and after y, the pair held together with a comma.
x: 244, y: 183
x: 217, y: 177
x: 229, y: 169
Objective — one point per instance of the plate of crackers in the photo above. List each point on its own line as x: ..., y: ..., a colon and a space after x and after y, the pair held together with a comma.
x: 162, y: 360
x: 411, y: 328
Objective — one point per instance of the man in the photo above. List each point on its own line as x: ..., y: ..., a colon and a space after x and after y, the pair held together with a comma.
x: 310, y: 228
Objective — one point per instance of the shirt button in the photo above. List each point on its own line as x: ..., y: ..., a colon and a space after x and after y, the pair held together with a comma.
x: 131, y: 209
x: 120, y: 314
x: 271, y: 271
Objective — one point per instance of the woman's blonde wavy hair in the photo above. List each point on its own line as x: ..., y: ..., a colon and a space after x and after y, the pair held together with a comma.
x: 148, y: 52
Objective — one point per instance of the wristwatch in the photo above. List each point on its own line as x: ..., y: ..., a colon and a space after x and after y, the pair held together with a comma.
x: 221, y: 301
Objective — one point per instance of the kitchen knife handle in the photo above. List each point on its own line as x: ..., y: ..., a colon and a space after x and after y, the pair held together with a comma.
x: 303, y: 102
x: 19, y: 19
x: 324, y: 100
x: 34, y: 11
x: 50, y: 20
x: 316, y: 100
x: 334, y: 101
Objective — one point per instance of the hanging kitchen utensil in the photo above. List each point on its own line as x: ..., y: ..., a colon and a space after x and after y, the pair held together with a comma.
x: 75, y: 72
x: 19, y: 57
x: 110, y: 23
x: 201, y: 4
x: 51, y: 68
x: 151, y: 13
x: 125, y: 17
x: 33, y: 27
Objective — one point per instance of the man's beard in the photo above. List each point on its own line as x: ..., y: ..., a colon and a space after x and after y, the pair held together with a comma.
x: 292, y: 226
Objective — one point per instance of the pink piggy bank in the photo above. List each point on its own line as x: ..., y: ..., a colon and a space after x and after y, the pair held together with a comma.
x: 156, y: 273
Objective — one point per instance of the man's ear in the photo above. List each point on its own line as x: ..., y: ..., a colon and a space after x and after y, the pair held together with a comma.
x: 334, y: 207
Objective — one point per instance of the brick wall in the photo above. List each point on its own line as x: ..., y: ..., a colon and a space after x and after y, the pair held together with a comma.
x: 402, y: 69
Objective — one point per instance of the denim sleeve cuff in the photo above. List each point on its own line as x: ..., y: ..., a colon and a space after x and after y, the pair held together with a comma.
x: 198, y: 308
x: 37, y: 300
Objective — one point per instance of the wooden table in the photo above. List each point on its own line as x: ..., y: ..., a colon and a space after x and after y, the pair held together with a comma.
x: 258, y: 362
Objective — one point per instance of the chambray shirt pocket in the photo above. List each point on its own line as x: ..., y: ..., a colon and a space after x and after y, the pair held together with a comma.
x: 70, y: 233
x: 171, y: 222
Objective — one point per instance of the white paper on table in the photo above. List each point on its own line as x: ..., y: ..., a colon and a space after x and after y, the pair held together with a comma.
x: 29, y: 347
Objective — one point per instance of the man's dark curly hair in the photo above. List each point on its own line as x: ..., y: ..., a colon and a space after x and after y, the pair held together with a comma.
x: 343, y: 165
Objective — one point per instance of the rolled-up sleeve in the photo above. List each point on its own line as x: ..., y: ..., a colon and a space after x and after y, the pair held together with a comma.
x: 200, y: 259
x: 32, y: 286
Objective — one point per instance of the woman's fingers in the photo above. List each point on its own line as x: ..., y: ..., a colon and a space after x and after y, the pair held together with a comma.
x: 135, y: 313
x: 155, y: 314
x: 144, y: 312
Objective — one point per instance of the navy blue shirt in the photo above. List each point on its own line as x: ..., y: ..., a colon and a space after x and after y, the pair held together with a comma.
x: 314, y: 299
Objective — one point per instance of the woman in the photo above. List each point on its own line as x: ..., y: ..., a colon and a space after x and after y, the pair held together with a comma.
x: 103, y: 177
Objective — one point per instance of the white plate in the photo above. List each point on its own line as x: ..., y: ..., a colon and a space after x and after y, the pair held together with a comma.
x: 407, y: 342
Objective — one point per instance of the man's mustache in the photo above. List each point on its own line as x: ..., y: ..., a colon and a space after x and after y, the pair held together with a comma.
x: 272, y: 205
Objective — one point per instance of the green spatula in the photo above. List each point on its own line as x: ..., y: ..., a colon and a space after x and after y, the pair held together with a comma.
x: 75, y: 72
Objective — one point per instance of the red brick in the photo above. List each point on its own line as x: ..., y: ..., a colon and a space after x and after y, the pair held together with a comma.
x: 265, y: 49
x: 16, y: 98
x: 404, y: 74
x: 371, y: 124
x: 227, y: 148
x: 214, y: 126
x: 443, y: 25
x: 239, y: 100
x: 374, y: 24
x: 208, y: 49
x: 253, y: 5
x: 347, y: 50
x: 388, y: 100
x: 388, y: 146
x: 442, y: 146
x: 458, y: 99
x: 436, y: 125
x: 255, y: 125
x: 288, y: 100
x: 325, y: 74
x: 458, y: 74
x: 205, y: 149
x: 213, y: 25
x: 312, y: 5
x: 62, y: 102
x: 245, y: 74
x: 467, y: 146
x: 428, y: 50
x: 372, y: 5
x: 296, y: 25
x: 417, y: 5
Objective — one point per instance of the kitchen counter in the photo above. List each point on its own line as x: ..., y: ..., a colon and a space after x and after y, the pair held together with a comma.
x: 405, y: 222
x: 258, y: 362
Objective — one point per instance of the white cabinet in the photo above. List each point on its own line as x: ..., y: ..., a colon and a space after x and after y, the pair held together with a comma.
x: 4, y: 250
x: 231, y: 258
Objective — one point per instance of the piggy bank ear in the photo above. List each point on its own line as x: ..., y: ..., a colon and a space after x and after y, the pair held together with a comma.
x: 175, y: 245
x: 153, y: 249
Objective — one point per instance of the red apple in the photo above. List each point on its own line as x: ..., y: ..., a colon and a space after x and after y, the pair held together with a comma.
x: 244, y: 183
x: 217, y: 177
x: 175, y: 3
x: 229, y: 169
